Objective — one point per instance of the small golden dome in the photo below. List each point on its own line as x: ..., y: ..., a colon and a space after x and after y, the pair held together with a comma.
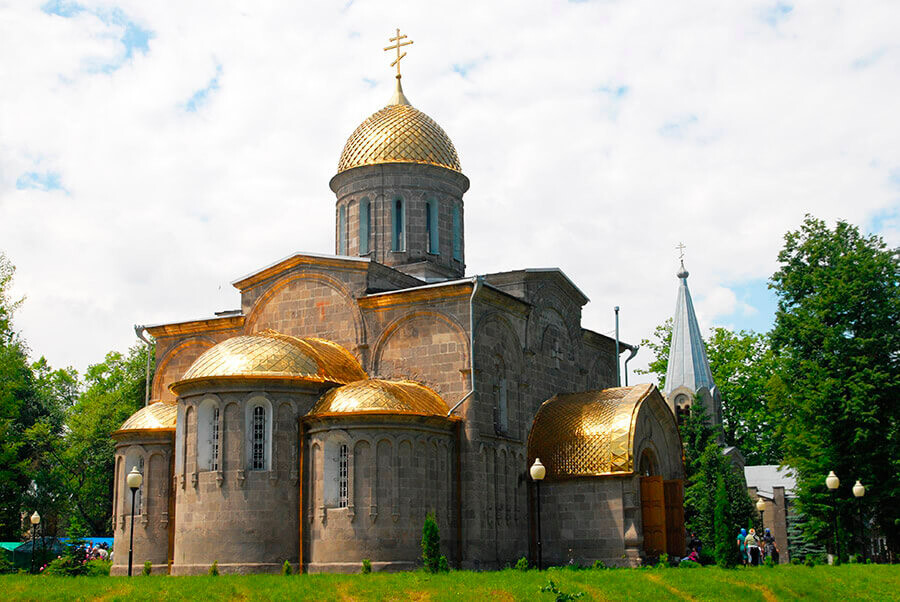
x: 271, y: 355
x: 587, y: 434
x: 399, y: 133
x: 381, y: 397
x: 159, y: 416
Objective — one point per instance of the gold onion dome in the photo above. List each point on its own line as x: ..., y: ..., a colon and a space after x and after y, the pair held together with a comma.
x: 587, y: 434
x: 377, y: 396
x: 270, y: 355
x: 399, y: 133
x: 159, y: 416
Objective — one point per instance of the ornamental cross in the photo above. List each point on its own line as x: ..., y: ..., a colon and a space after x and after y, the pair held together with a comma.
x: 680, y: 246
x: 396, y: 46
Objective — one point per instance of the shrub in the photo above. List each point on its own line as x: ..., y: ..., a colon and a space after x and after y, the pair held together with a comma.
x: 796, y: 561
x: 443, y: 565
x: 6, y: 566
x: 286, y: 569
x: 214, y: 569
x: 599, y: 564
x: 706, y: 557
x: 431, y: 544
x: 688, y: 564
x: 724, y: 545
x: 836, y: 560
x: 769, y: 562
x: 66, y: 566
x: 522, y: 564
x: 148, y: 568
x: 366, y: 566
x: 561, y: 596
x: 810, y: 561
x: 663, y: 560
x: 100, y: 568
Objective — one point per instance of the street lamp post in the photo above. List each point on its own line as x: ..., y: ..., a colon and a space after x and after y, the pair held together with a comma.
x: 35, y: 521
x: 761, y: 506
x: 134, y: 481
x: 833, y: 482
x: 538, y: 471
x: 859, y: 491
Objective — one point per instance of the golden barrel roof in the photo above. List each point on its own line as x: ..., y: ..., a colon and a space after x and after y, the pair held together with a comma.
x: 399, y: 133
x: 377, y: 396
x: 159, y: 417
x: 271, y: 355
x: 587, y: 434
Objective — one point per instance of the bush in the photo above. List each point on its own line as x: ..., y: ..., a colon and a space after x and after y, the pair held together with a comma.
x: 431, y: 544
x: 688, y: 564
x: 100, y: 568
x: 810, y: 561
x: 522, y: 564
x: 6, y: 566
x: 599, y: 564
x: 286, y: 569
x: 66, y: 566
x: 148, y: 568
x: 366, y: 566
x: 214, y: 569
x: 796, y: 561
x: 663, y: 561
x: 561, y: 596
x: 443, y: 565
x: 769, y: 562
x: 706, y: 557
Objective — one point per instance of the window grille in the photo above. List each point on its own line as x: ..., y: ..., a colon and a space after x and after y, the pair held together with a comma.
x: 140, y: 494
x: 343, y: 480
x: 431, y: 227
x: 214, y: 440
x: 457, y: 234
x: 259, y: 438
x: 342, y: 230
x: 365, y: 210
x: 399, y: 239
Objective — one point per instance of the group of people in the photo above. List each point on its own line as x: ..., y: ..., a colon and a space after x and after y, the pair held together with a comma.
x: 754, y: 549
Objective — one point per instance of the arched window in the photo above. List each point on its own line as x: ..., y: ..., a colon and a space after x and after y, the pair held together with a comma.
x: 337, y: 473
x: 133, y: 459
x: 457, y: 233
x: 258, y: 421
x: 208, y: 435
x: 343, y: 476
x: 342, y: 230
x: 398, y: 219
x: 648, y: 465
x: 431, y: 227
x: 365, y: 225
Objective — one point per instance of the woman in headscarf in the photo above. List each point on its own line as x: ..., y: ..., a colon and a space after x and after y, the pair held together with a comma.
x: 740, y: 540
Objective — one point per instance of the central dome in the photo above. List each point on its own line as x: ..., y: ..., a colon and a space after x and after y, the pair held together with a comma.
x: 399, y: 133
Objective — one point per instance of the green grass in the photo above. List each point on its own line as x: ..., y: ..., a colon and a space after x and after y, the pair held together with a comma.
x: 848, y: 582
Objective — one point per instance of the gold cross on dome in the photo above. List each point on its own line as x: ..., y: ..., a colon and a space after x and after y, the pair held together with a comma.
x: 680, y: 246
x: 396, y: 46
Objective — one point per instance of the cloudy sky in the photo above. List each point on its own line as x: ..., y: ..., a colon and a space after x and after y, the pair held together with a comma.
x: 153, y: 152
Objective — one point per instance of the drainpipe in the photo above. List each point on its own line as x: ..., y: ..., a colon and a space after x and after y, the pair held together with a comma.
x: 478, y: 280
x: 139, y: 331
x: 618, y: 371
x: 634, y: 351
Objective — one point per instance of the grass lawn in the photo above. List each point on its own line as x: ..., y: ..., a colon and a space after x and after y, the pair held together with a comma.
x: 856, y: 582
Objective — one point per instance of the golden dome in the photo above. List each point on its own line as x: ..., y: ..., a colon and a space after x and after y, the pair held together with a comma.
x: 271, y: 355
x: 381, y: 397
x: 159, y: 416
x: 587, y: 434
x: 399, y: 133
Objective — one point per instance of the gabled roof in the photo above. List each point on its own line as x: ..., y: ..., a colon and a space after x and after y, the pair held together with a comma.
x: 688, y: 364
x: 766, y: 477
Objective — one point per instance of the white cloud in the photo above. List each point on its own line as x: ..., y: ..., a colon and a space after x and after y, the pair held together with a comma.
x: 596, y: 136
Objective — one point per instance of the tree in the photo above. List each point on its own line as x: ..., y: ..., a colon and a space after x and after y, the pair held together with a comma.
x: 724, y: 546
x: 659, y: 345
x: 837, y: 339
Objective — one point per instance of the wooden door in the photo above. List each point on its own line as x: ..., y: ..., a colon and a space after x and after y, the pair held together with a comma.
x: 653, y: 514
x: 673, y: 491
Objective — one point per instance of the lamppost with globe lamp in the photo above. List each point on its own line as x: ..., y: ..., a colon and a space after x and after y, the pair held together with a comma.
x: 538, y: 472
x: 859, y: 491
x: 761, y: 507
x: 833, y: 482
x: 134, y: 480
x: 35, y: 521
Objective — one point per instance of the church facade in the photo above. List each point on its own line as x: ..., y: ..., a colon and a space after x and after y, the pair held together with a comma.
x: 354, y: 393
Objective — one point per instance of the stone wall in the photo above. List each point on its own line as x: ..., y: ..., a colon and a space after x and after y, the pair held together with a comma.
x: 151, y: 516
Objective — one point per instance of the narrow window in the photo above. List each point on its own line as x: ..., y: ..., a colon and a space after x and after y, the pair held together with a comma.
x: 457, y: 234
x: 398, y: 240
x: 214, y: 440
x: 343, y: 480
x: 503, y: 407
x: 342, y: 230
x: 259, y: 438
x: 365, y: 218
x: 139, y: 503
x: 431, y: 227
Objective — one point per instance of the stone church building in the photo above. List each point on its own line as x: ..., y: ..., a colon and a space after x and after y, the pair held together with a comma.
x: 354, y: 393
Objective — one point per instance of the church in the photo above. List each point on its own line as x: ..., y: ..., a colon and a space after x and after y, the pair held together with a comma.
x: 353, y: 394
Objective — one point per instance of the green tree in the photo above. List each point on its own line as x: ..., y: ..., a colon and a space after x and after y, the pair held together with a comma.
x: 723, y: 539
x: 837, y: 338
x: 659, y: 345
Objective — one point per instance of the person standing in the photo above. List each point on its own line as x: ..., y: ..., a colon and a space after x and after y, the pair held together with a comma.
x: 769, y: 546
x: 741, y: 538
x: 752, y: 544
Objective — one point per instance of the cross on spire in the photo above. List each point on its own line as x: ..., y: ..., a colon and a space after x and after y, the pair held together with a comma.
x: 398, y: 43
x: 681, y: 247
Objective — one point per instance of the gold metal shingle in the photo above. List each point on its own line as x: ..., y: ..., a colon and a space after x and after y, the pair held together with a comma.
x: 587, y: 434
x: 159, y: 416
x: 399, y: 133
x: 381, y: 396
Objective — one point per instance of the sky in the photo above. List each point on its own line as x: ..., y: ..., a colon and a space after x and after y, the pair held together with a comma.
x: 153, y: 152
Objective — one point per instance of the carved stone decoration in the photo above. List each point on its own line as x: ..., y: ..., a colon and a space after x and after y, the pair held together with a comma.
x: 351, y: 512
x: 373, y: 512
x: 164, y: 520
x: 220, y: 477
x: 240, y: 477
x: 195, y: 479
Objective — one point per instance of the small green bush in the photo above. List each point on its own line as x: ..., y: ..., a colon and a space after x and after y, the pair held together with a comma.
x: 522, y: 564
x: 214, y: 569
x: 148, y: 567
x: 286, y: 569
x: 431, y: 544
x: 599, y: 564
x: 561, y: 596
x: 796, y: 561
x: 663, y: 560
x: 100, y: 568
x: 836, y: 560
x: 810, y: 560
x: 366, y: 566
x: 769, y: 562
x: 6, y: 567
x: 443, y: 565
x: 688, y: 564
